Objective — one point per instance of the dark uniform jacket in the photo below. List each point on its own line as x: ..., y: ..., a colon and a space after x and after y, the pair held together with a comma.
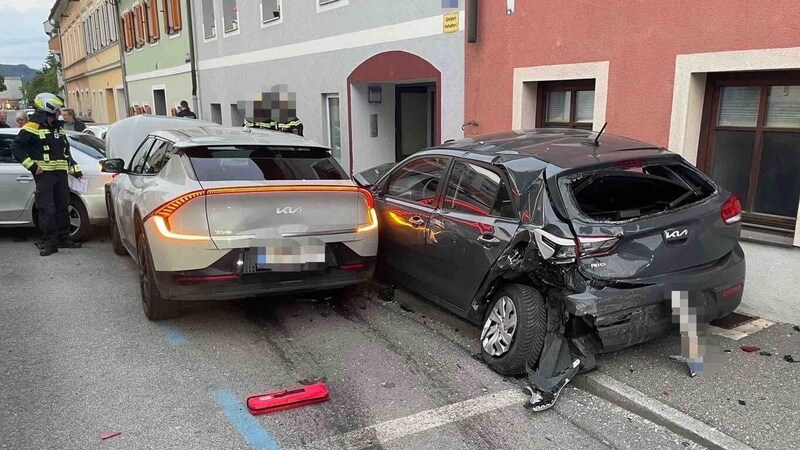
x: 42, y: 146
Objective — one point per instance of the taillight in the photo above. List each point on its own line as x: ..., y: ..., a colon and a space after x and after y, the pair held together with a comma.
x: 731, y: 210
x: 629, y: 163
x: 372, y: 215
x: 161, y: 218
x: 596, y: 245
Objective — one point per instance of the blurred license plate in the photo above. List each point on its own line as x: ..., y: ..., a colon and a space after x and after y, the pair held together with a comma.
x: 291, y: 257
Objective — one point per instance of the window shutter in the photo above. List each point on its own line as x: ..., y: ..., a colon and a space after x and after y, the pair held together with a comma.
x: 155, y: 31
x: 176, y: 14
x: 165, y: 11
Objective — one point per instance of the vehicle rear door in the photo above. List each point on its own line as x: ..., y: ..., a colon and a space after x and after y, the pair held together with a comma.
x: 470, y: 231
x: 16, y: 182
x: 405, y: 203
x: 662, y: 240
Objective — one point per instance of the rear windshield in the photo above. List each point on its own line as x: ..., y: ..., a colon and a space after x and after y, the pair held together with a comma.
x: 259, y: 163
x: 627, y: 193
x: 88, y: 144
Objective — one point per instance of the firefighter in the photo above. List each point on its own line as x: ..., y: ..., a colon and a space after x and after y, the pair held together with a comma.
x: 41, y: 146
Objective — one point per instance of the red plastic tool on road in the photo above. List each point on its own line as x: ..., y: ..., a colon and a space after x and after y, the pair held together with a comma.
x: 288, y: 399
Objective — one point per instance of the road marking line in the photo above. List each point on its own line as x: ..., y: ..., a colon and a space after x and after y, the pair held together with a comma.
x: 173, y: 335
x: 743, y: 330
x: 385, y: 432
x: 249, y: 428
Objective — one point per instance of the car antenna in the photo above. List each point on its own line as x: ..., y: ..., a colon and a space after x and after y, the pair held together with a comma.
x: 597, y: 138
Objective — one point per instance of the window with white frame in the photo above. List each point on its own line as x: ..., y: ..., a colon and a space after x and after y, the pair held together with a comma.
x: 230, y: 15
x: 270, y: 10
x: 333, y: 124
x: 173, y: 21
x: 326, y: 5
x: 209, y: 21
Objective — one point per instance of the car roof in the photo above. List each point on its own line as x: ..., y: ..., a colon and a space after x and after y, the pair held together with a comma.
x: 204, y: 136
x: 563, y: 147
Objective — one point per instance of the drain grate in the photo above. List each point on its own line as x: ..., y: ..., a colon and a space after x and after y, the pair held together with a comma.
x: 732, y: 321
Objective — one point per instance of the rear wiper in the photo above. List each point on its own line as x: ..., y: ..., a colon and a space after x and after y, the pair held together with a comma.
x: 683, y: 197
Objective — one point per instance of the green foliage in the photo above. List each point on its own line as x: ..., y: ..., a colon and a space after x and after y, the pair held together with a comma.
x: 45, y: 80
x: 2, y: 83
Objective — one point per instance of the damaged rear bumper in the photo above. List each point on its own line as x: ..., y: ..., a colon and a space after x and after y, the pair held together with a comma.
x: 625, y: 314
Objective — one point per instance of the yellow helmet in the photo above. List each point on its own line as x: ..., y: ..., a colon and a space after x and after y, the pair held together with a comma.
x: 48, y: 102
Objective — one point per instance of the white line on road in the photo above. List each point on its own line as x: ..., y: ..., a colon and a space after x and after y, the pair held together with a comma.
x: 422, y: 421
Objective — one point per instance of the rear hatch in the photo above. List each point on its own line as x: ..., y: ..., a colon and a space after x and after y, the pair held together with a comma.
x: 646, y: 217
x: 256, y: 195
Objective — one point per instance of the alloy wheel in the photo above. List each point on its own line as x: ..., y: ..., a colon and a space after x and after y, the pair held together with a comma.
x: 499, y: 328
x: 144, y: 274
x: 74, y: 220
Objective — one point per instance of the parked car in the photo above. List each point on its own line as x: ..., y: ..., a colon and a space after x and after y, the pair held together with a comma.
x: 124, y: 136
x: 98, y: 130
x: 216, y: 213
x: 86, y: 209
x: 505, y: 228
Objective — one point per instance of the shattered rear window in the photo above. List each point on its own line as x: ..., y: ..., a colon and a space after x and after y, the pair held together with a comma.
x: 626, y: 193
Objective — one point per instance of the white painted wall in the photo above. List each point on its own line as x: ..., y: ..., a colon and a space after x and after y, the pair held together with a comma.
x: 373, y: 151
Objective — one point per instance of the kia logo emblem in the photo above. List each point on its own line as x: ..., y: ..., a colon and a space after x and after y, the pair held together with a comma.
x: 289, y: 210
x: 674, y: 235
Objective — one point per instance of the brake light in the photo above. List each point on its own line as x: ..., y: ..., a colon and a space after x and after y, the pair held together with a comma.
x: 629, y: 163
x: 731, y: 210
x: 161, y: 214
x: 357, y: 266
x: 735, y: 289
x: 596, y: 245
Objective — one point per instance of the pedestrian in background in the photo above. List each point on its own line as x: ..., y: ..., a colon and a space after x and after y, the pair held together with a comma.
x: 185, y: 111
x: 42, y: 148
x: 3, y: 118
x: 70, y: 122
x: 22, y: 119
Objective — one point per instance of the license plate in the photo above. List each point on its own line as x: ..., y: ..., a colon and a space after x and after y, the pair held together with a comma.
x: 291, y: 257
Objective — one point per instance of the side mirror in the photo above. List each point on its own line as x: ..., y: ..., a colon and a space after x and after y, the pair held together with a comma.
x: 114, y: 165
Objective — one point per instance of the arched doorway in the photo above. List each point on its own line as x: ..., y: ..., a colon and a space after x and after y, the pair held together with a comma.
x: 393, y: 108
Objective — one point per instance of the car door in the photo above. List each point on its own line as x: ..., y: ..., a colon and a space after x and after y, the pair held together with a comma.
x: 16, y: 183
x: 128, y: 188
x: 473, y: 227
x: 405, y: 202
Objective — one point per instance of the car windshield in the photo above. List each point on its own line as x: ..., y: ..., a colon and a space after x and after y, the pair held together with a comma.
x: 88, y: 144
x: 258, y: 163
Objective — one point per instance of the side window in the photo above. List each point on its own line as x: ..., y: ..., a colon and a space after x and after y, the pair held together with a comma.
x: 158, y: 157
x: 475, y: 189
x: 6, y: 157
x: 140, y: 157
x: 418, y: 180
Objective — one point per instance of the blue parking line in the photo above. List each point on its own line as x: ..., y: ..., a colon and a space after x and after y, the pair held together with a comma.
x: 249, y: 428
x: 173, y: 335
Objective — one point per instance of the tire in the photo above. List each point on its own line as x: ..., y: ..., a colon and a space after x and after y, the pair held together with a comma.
x: 78, y: 218
x: 155, y: 306
x: 116, y: 239
x: 527, y: 337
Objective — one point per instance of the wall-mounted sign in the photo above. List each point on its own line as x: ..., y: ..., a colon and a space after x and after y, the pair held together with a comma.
x: 451, y: 22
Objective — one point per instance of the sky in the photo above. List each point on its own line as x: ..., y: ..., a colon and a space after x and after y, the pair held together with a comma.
x: 22, y: 38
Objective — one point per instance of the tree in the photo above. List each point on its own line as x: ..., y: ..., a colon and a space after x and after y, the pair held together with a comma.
x: 45, y: 80
x: 2, y: 83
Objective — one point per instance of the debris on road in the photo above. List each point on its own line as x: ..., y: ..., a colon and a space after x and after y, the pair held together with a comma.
x: 789, y: 359
x: 750, y: 348
x: 765, y: 354
x: 387, y: 294
x: 742, y: 402
x: 288, y: 399
x: 796, y: 328
x: 109, y: 434
x: 388, y: 385
x: 665, y: 392
x: 312, y: 380
x: 406, y: 308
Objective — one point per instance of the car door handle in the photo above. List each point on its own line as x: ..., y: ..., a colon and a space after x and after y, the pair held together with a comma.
x: 489, y: 240
x: 25, y: 178
x: 416, y: 221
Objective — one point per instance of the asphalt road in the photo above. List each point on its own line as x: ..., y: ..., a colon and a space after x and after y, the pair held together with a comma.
x: 79, y: 358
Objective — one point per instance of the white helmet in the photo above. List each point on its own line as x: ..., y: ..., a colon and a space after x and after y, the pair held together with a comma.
x: 48, y: 102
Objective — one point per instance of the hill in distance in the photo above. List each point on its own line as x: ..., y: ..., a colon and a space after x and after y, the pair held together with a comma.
x: 17, y: 70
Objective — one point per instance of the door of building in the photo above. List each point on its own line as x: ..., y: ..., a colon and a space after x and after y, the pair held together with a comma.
x: 160, y: 101
x: 414, y: 118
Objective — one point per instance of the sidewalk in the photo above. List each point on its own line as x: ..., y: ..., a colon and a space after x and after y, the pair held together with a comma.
x: 750, y: 397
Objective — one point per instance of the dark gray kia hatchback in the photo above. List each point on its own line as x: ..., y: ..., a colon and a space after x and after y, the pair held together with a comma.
x: 558, y: 231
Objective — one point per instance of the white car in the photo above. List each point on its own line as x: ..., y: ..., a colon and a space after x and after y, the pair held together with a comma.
x: 216, y: 213
x: 98, y: 130
x: 86, y: 207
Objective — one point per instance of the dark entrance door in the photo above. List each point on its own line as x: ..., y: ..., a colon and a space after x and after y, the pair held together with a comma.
x: 160, y: 100
x: 414, y: 118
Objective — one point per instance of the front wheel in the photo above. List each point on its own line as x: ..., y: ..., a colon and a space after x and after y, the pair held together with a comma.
x: 514, y: 330
x: 155, y: 306
x: 79, y: 227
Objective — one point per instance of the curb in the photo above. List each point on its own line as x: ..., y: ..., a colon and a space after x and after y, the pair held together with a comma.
x: 628, y: 398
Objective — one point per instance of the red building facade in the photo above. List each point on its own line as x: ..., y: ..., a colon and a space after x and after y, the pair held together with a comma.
x: 717, y: 81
